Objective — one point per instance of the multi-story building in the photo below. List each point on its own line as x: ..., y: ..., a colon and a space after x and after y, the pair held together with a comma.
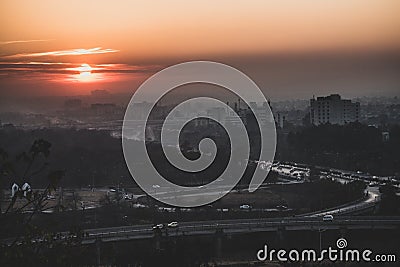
x: 334, y: 110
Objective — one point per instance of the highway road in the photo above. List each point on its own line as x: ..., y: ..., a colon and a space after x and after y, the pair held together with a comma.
x: 240, y: 226
x: 372, y: 198
x: 312, y: 221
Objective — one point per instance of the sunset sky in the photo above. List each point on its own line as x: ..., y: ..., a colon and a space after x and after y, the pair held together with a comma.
x: 290, y: 48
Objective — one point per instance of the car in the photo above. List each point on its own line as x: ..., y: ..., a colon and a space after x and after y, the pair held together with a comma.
x: 127, y: 197
x: 173, y: 224
x: 327, y: 218
x: 281, y: 207
x: 158, y: 226
x: 223, y: 210
x: 245, y: 207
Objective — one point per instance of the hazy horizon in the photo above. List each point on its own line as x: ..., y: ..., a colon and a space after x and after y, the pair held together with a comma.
x: 290, y: 49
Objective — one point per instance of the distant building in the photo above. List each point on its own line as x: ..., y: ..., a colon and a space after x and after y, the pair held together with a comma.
x: 385, y: 136
x: 217, y: 113
x: 103, y: 109
x: 202, y: 122
x: 100, y: 96
x: 280, y: 119
x: 140, y: 110
x: 263, y: 111
x: 334, y: 110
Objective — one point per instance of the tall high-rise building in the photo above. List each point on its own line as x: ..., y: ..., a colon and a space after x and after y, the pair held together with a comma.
x: 334, y: 110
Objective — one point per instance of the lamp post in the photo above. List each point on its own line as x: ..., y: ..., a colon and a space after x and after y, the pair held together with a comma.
x: 320, y: 238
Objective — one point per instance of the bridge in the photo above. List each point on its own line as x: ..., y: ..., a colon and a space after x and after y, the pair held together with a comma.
x: 240, y: 226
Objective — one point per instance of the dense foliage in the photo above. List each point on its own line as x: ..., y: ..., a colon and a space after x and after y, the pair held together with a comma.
x: 350, y: 147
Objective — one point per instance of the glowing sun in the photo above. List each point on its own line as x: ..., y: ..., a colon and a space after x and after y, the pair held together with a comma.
x: 85, y: 73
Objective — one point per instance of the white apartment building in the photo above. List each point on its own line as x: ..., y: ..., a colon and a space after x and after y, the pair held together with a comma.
x: 334, y: 110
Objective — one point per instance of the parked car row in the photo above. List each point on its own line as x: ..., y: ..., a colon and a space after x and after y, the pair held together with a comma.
x: 297, y: 172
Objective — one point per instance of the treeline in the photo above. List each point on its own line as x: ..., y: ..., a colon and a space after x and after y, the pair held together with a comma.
x: 94, y: 157
x: 321, y: 194
x: 350, y: 147
x: 87, y: 156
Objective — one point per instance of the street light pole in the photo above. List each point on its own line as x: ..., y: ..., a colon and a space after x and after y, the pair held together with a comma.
x: 320, y: 238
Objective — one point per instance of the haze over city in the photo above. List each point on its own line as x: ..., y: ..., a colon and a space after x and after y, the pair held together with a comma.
x: 292, y: 49
x: 295, y: 164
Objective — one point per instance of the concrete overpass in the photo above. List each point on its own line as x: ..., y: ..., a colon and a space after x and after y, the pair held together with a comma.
x: 240, y: 226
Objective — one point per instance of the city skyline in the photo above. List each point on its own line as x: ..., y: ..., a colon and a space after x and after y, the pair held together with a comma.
x: 290, y: 49
x: 199, y: 133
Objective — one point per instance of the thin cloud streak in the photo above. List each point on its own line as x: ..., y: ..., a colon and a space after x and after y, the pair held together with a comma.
x: 25, y: 41
x: 64, y: 67
x: 70, y: 52
x: 72, y: 72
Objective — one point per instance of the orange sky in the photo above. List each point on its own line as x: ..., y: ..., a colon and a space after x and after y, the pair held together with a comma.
x: 136, y: 37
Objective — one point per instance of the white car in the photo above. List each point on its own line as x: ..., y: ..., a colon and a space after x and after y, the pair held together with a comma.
x: 158, y: 226
x: 245, y: 207
x: 327, y: 218
x: 173, y: 224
